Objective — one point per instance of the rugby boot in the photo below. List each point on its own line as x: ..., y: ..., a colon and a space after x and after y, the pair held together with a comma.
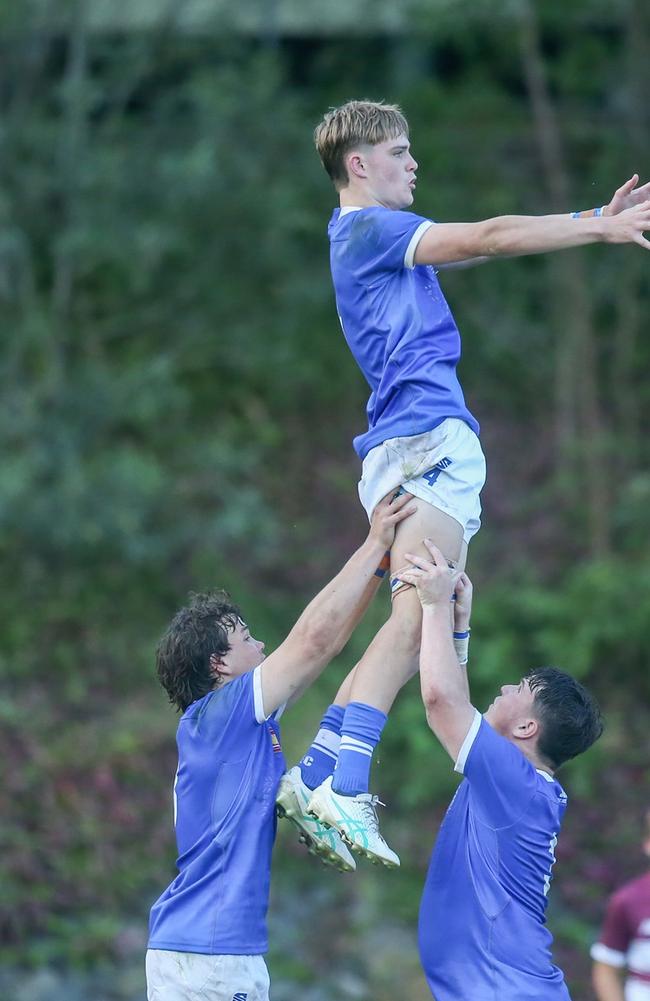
x: 355, y: 819
x: 291, y: 802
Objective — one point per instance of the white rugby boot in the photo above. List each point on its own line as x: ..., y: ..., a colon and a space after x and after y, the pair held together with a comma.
x: 355, y: 818
x: 291, y: 802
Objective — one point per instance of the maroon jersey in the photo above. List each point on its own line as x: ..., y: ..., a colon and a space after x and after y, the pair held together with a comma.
x: 625, y: 936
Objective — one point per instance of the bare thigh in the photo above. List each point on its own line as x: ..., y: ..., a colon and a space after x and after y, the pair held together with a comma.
x: 428, y: 522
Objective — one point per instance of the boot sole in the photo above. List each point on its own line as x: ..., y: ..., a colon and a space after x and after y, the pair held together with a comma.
x: 285, y: 807
x: 321, y: 814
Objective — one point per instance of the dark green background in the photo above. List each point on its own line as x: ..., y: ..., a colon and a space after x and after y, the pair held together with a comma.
x: 177, y: 409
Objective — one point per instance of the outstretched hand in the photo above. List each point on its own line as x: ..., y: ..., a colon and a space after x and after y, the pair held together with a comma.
x: 629, y: 225
x: 434, y: 580
x: 390, y: 511
x: 627, y: 196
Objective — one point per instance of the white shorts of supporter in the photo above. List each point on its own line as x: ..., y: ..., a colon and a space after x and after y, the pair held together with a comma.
x: 192, y: 976
x: 445, y: 467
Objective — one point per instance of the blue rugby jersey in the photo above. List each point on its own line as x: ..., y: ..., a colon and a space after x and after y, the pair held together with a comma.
x: 482, y: 931
x: 397, y: 324
x: 229, y: 767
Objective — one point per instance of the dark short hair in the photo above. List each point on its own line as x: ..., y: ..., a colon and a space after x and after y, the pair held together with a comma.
x: 569, y: 716
x: 194, y: 634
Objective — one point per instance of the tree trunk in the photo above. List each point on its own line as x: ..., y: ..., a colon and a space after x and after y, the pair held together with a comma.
x: 578, y: 419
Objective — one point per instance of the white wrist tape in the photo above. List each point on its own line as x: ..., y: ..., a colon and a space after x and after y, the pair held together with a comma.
x: 461, y: 646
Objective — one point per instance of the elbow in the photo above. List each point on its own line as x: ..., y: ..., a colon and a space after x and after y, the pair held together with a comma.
x: 431, y: 705
x: 499, y: 239
x: 318, y: 640
x: 492, y: 242
x: 436, y: 703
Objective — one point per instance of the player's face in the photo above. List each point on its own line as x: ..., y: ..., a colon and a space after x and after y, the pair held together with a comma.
x: 513, y: 705
x: 245, y: 651
x: 390, y: 171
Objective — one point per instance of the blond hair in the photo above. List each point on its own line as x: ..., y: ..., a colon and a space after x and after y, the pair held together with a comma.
x: 355, y: 123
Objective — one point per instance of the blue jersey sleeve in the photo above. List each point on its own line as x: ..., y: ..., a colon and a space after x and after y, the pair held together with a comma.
x: 383, y: 240
x: 502, y: 780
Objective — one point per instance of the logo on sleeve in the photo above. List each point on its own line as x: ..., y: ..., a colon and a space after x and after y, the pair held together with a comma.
x: 277, y: 748
x: 240, y: 997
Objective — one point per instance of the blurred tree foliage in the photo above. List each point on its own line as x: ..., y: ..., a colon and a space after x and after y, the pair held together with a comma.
x: 177, y: 403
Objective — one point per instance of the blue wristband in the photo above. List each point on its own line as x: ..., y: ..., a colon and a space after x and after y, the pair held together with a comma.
x: 462, y: 636
x: 597, y: 212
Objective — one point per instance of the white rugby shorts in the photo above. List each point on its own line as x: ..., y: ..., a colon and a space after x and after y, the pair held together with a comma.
x: 192, y: 976
x: 444, y: 467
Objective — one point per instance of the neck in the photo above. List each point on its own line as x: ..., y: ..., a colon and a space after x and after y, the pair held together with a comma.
x: 535, y: 759
x: 358, y: 199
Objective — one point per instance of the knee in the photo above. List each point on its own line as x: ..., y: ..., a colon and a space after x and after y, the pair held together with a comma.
x: 406, y: 621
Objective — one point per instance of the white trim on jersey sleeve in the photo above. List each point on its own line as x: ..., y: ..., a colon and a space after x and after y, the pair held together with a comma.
x: 603, y: 954
x: 638, y: 956
x: 409, y: 256
x: 466, y: 746
x: 258, y: 701
x: 260, y: 715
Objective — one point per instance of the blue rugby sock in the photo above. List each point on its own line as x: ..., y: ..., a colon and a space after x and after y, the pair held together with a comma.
x: 360, y: 733
x: 320, y: 758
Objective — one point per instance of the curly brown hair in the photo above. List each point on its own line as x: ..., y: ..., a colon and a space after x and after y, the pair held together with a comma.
x: 194, y: 634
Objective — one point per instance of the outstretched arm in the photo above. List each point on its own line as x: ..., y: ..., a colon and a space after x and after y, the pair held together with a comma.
x: 443, y: 683
x: 512, y: 236
x: 325, y: 626
x: 461, y: 265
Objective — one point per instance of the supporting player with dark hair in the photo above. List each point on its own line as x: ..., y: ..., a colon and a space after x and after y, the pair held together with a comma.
x: 482, y: 928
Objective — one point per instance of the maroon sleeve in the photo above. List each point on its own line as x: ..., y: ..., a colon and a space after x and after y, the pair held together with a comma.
x: 616, y: 933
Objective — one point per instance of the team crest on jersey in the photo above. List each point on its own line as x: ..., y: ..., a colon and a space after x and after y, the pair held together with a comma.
x: 277, y: 749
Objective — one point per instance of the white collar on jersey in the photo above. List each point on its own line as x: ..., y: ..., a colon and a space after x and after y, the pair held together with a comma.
x: 349, y: 208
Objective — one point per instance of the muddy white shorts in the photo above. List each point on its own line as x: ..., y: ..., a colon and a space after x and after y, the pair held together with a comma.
x: 445, y: 467
x: 190, y: 976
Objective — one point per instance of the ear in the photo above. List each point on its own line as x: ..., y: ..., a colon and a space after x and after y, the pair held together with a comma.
x: 355, y: 165
x: 218, y: 668
x: 526, y: 729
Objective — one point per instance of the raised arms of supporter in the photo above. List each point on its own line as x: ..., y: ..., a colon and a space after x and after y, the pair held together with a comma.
x: 325, y: 626
x: 623, y: 220
x: 463, y: 589
x: 443, y: 682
